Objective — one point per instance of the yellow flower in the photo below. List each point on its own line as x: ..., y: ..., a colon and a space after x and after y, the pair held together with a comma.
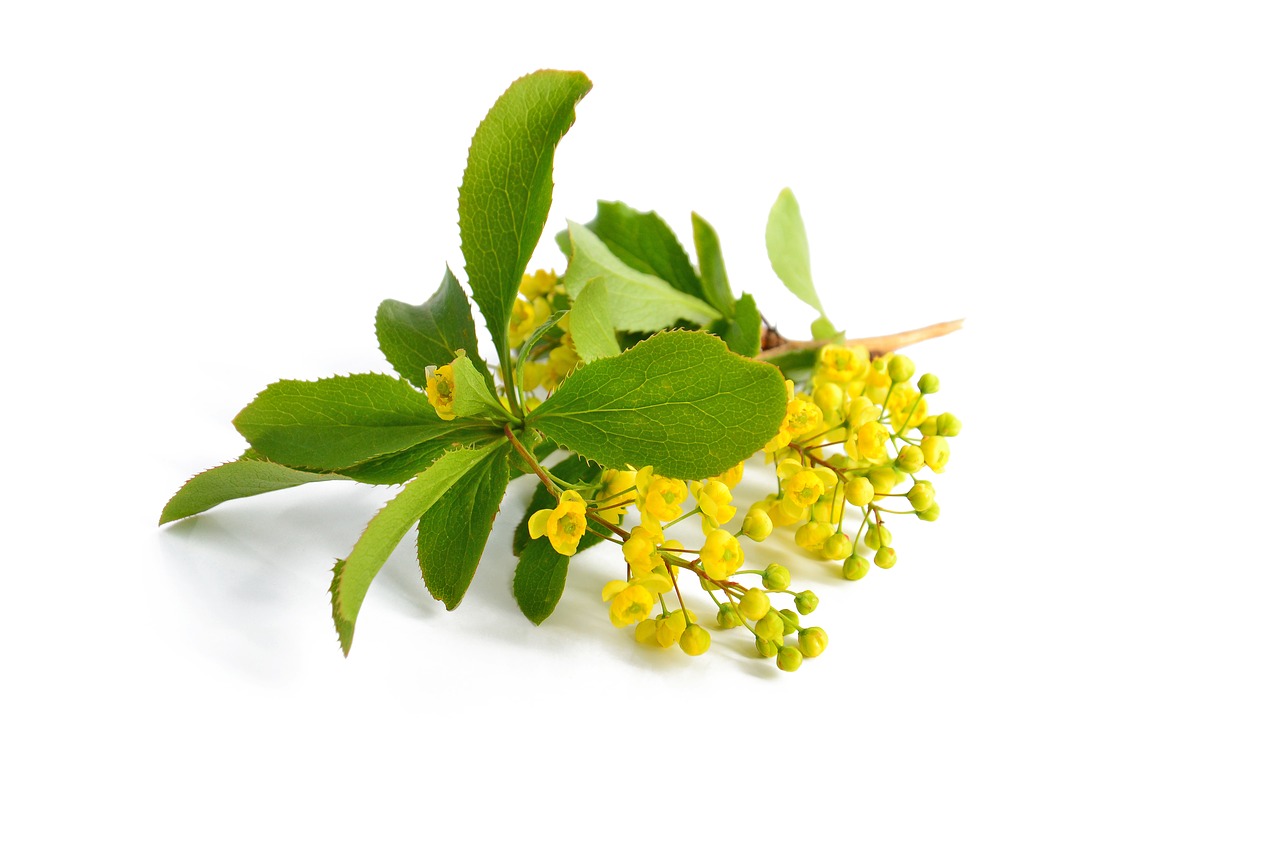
x: 714, y: 503
x: 840, y: 365
x: 526, y: 316
x: 440, y: 391
x: 870, y: 441
x: 907, y: 407
x: 721, y: 555
x: 561, y: 361
x: 936, y: 452
x: 641, y: 550
x: 631, y: 601
x: 659, y: 498
x: 563, y: 525
x: 732, y: 477
x: 803, y: 488
x: 616, y: 487
x: 540, y: 283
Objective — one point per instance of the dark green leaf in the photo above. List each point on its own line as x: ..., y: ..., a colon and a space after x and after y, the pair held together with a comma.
x: 452, y: 534
x: 340, y: 422
x: 506, y: 188
x: 539, y: 580
x: 715, y: 279
x: 644, y: 242
x: 403, y: 465
x: 242, y: 478
x: 679, y: 401
x: 415, y: 337
x: 352, y: 576
x: 742, y: 333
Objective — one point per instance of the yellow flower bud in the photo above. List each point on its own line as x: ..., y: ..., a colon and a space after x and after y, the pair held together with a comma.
x: 789, y: 658
x: 910, y: 459
x: 757, y: 524
x: 886, y: 557
x: 884, y: 479
x: 695, y: 640
x: 814, y: 535
x: 790, y: 622
x: 754, y: 604
x: 838, y: 546
x: 936, y: 452
x: 776, y: 577
x: 901, y: 368
x: 812, y: 642
x: 948, y: 425
x: 921, y: 495
x: 646, y: 630
x: 769, y: 626
x: 877, y: 536
x: 766, y: 648
x: 806, y: 602
x: 860, y: 492
x: 855, y: 568
x: 785, y: 513
x: 725, y: 617
x: 928, y: 384
x: 930, y: 513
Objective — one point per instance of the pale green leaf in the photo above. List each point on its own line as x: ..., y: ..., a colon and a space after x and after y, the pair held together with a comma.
x: 590, y: 323
x: 471, y: 396
x: 506, y: 188
x: 679, y: 401
x: 715, y: 279
x: 352, y: 576
x: 638, y: 302
x: 644, y: 242
x: 788, y: 248
x: 742, y: 332
x: 452, y: 533
x: 242, y: 478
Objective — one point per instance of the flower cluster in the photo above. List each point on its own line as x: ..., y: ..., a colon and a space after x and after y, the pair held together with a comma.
x: 850, y: 451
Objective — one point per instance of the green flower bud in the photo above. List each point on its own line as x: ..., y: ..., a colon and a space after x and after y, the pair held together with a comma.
x: 930, y: 513
x: 860, y: 492
x: 789, y: 658
x: 928, y: 384
x: 790, y: 622
x: 725, y: 617
x: 806, y: 602
x: 929, y: 426
x: 910, y: 459
x: 837, y: 547
x: 776, y: 577
x: 855, y: 568
x: 876, y: 537
x: 883, y: 479
x: 901, y: 368
x: 812, y: 642
x: 754, y: 605
x: 948, y: 425
x: 886, y: 557
x: 770, y: 626
x: 921, y: 495
x: 766, y: 648
x: 695, y: 640
x: 758, y: 525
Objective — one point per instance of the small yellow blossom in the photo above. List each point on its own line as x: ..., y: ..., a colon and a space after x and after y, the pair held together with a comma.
x: 616, y: 491
x: 641, y: 550
x: 936, y: 452
x: 563, y: 525
x: 732, y: 477
x: 539, y: 283
x: 440, y: 391
x: 659, y: 498
x: 526, y: 317
x: 714, y: 501
x: 721, y: 555
x: 870, y: 441
x: 840, y: 365
x: 631, y: 601
x: 907, y: 407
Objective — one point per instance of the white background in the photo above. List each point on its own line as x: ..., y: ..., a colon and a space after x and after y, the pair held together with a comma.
x: 1081, y: 654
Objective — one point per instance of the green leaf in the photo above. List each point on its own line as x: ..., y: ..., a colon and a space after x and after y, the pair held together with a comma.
x: 394, y: 468
x: 471, y: 395
x: 788, y: 247
x: 638, y: 302
x: 715, y: 280
x: 242, y: 478
x: 352, y: 576
x: 506, y: 189
x: 590, y: 323
x: 539, y: 581
x: 679, y: 401
x: 339, y: 422
x: 453, y: 532
x: 415, y: 337
x: 644, y: 242
x: 742, y: 333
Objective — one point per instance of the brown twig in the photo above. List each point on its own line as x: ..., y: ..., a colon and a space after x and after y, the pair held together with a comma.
x: 876, y: 346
